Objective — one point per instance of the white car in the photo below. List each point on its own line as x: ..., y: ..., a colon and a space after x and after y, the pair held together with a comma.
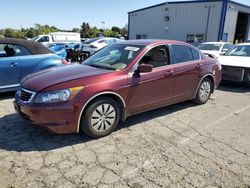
x: 92, y: 45
x: 236, y: 64
x: 215, y: 48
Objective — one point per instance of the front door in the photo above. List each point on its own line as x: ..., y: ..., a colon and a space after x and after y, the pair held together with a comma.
x: 153, y: 89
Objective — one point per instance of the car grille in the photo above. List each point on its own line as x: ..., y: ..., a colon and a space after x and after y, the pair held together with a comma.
x: 235, y: 74
x: 26, y: 95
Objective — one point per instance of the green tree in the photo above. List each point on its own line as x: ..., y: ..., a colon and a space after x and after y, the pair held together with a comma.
x: 85, y: 30
x: 77, y: 30
x: 10, y: 33
x: 116, y: 29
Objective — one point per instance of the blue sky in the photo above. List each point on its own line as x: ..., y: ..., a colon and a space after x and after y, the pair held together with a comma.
x: 71, y: 13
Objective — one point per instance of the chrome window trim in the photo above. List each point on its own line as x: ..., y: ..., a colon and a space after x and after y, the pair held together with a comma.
x: 32, y: 95
x: 84, y: 106
x: 9, y: 86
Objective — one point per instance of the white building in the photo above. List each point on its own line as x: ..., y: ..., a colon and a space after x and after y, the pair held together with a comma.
x: 192, y: 21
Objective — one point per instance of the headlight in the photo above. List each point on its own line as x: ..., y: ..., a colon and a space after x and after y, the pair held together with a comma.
x: 57, y: 96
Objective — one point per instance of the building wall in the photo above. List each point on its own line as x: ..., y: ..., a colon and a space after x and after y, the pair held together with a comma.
x: 184, y: 19
x: 231, y: 19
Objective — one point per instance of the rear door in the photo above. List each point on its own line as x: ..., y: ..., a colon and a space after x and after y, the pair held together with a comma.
x: 187, y: 70
x: 9, y: 67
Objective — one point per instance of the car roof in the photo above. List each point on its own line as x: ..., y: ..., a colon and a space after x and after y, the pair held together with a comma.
x: 32, y: 46
x: 245, y: 43
x: 216, y: 43
x: 148, y: 42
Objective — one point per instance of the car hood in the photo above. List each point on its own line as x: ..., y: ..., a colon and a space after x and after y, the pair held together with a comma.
x: 52, y: 76
x: 235, y: 61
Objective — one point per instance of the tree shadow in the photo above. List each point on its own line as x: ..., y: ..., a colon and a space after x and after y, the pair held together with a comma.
x: 16, y: 134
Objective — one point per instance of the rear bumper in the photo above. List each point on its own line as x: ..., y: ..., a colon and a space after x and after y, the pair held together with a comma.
x: 236, y: 74
x: 57, y: 119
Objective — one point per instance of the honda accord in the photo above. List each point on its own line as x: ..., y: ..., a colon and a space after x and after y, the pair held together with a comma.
x: 120, y: 80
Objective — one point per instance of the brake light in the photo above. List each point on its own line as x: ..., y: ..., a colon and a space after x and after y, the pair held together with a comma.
x: 64, y: 62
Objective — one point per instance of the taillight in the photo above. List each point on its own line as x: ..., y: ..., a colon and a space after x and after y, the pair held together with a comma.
x: 64, y: 62
x: 92, y: 46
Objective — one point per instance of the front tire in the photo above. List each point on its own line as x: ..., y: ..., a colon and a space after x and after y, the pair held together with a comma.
x: 204, y: 91
x: 100, y: 118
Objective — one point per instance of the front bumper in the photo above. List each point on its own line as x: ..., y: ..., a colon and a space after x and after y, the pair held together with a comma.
x: 56, y: 118
x: 236, y: 74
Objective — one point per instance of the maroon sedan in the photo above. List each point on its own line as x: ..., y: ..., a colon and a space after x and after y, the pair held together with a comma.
x: 121, y: 80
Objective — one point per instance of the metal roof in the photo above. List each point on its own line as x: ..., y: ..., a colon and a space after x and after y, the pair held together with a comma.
x: 191, y: 1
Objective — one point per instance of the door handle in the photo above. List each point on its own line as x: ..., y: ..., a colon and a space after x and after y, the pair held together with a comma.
x: 198, y: 65
x: 13, y: 64
x: 169, y: 73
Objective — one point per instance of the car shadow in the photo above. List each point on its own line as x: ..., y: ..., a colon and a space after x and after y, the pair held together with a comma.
x: 233, y: 87
x: 7, y: 95
x: 16, y: 134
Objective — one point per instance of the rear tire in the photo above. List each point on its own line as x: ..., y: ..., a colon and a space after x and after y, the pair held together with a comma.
x: 100, y: 118
x: 204, y: 91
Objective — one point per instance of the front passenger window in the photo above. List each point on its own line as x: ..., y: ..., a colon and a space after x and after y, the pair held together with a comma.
x: 157, y: 57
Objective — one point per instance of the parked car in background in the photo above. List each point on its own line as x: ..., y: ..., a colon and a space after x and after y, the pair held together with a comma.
x: 19, y: 58
x: 56, y: 37
x: 118, y: 81
x: 62, y: 49
x: 92, y: 45
x: 59, y: 49
x: 236, y: 64
x: 215, y: 48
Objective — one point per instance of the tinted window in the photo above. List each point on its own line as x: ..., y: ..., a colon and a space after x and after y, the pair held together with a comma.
x: 196, y: 54
x: 182, y: 53
x: 21, y: 51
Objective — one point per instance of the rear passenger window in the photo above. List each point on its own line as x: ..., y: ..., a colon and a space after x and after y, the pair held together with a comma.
x: 182, y: 53
x: 21, y: 51
x: 196, y: 54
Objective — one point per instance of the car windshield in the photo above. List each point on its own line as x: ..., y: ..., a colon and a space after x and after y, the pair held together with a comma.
x: 206, y: 46
x: 34, y: 38
x: 114, y: 57
x: 241, y: 50
x: 88, y: 41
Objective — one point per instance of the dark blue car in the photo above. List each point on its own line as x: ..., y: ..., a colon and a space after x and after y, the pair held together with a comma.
x: 19, y: 58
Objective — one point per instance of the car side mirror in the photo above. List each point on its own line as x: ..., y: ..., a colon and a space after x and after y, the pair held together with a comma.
x: 143, y: 68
